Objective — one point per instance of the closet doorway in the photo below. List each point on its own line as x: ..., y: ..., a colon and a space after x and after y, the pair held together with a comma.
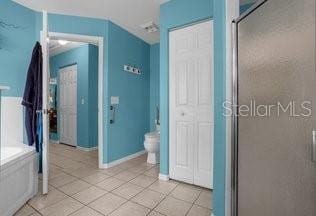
x: 191, y: 121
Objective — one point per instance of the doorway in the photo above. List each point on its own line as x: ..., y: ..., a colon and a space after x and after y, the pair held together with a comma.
x: 93, y: 40
x: 191, y: 121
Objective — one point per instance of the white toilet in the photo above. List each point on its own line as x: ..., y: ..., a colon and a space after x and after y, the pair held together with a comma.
x: 152, y: 143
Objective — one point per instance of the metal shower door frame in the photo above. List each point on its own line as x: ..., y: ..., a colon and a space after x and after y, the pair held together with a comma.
x: 234, y: 125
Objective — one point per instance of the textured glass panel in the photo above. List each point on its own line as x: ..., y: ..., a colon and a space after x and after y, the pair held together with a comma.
x: 276, y: 65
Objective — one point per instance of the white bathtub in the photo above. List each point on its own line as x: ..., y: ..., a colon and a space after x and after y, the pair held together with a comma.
x: 18, y: 177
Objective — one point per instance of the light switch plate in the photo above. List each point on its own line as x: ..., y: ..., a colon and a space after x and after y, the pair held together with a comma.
x: 115, y: 100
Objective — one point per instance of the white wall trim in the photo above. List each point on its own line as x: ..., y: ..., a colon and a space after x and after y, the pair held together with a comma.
x: 54, y: 141
x: 163, y: 177
x: 99, y: 41
x: 87, y: 149
x: 122, y: 160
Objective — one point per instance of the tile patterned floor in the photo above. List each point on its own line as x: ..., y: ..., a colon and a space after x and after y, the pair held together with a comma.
x: 78, y: 188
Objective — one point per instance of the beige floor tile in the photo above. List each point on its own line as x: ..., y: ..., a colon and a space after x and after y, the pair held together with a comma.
x: 74, y: 187
x: 110, y: 184
x: 93, y: 153
x: 68, y: 164
x: 91, y: 161
x: 148, y: 166
x: 164, y: 187
x: 95, y: 178
x: 149, y: 198
x: 36, y: 214
x: 43, y: 201
x: 86, y: 211
x: 107, y: 203
x: 205, y: 199
x: 143, y: 181
x: 173, y: 207
x: 112, y: 170
x: 153, y: 172
x: 62, y: 208
x: 129, y: 209
x: 62, y: 180
x: 139, y: 160
x: 137, y: 169
x: 126, y: 165
x: 141, y: 168
x: 127, y: 190
x: 199, y: 211
x: 55, y: 172
x: 83, y: 172
x: 26, y: 210
x: 186, y: 192
x: 125, y: 175
x: 154, y: 213
x: 89, y: 195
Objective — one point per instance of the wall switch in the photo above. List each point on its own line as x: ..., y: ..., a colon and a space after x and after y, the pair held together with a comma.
x: 82, y: 101
x: 115, y: 100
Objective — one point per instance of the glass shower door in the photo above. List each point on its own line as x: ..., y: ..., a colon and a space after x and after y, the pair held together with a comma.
x: 276, y: 89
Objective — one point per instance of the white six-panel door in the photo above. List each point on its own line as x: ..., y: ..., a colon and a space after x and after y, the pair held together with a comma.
x: 191, y: 104
x: 68, y: 105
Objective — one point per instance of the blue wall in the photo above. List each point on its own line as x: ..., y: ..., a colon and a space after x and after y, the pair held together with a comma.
x: 125, y: 137
x: 173, y: 14
x: 132, y: 116
x: 154, y: 84
x: 87, y: 87
x: 16, y: 46
x: 93, y: 95
x: 220, y: 96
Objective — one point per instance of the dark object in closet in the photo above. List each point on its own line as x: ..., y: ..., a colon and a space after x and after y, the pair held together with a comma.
x: 52, y: 120
x: 32, y: 99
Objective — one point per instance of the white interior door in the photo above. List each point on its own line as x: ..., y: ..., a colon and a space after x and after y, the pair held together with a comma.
x: 46, y: 75
x: 68, y: 105
x: 191, y: 104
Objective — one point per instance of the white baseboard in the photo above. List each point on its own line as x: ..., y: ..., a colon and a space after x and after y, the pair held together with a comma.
x: 163, y: 177
x: 54, y: 141
x: 122, y: 160
x: 87, y: 149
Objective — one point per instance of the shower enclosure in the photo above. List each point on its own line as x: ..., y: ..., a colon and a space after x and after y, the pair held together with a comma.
x: 275, y: 110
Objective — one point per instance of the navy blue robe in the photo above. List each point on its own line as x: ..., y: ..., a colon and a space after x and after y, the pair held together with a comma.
x: 32, y: 99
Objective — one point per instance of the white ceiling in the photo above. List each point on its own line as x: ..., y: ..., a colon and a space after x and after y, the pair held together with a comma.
x: 56, y: 48
x: 129, y: 14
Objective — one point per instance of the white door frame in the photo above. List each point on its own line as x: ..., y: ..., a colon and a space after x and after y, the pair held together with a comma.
x: 98, y: 41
